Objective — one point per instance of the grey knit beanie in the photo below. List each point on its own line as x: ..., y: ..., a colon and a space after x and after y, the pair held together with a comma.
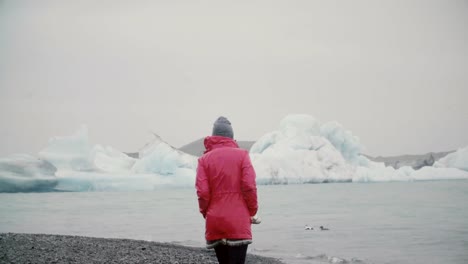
x: 222, y: 127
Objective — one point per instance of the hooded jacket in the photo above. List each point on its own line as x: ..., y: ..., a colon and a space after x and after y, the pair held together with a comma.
x: 226, y: 189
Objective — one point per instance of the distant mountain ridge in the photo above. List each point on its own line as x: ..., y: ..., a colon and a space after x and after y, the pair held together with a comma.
x: 197, y: 148
x: 414, y: 161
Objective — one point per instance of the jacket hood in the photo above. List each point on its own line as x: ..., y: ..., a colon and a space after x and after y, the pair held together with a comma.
x: 213, y: 142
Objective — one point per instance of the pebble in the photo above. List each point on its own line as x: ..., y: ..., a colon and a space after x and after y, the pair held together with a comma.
x: 39, y: 248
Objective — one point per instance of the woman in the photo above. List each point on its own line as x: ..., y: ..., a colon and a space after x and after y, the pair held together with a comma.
x: 227, y: 194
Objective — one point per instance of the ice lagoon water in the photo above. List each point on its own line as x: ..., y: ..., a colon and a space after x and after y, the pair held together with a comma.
x: 415, y: 222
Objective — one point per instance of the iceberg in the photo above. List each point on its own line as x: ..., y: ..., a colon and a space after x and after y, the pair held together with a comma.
x: 343, y: 140
x: 457, y: 159
x: 26, y: 173
x: 69, y: 152
x: 161, y: 158
x: 108, y: 159
x: 305, y: 151
x: 378, y: 172
x: 75, y: 153
x: 83, y: 167
x: 432, y: 173
x: 301, y: 150
x: 159, y: 166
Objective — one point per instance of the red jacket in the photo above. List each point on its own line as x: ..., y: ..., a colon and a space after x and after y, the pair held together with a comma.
x: 226, y: 189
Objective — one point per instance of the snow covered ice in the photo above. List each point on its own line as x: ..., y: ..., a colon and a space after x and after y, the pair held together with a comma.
x: 75, y: 153
x: 301, y: 150
x: 304, y: 150
x: 108, y: 159
x: 98, y: 168
x: 161, y: 158
x: 298, y: 153
x: 69, y: 152
x: 24, y: 173
x: 457, y: 159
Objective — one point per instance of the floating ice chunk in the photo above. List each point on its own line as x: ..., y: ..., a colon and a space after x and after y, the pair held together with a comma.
x: 108, y: 159
x: 264, y: 142
x: 431, y: 173
x: 74, y: 153
x: 298, y: 154
x: 343, y: 140
x: 69, y: 152
x: 378, y: 172
x: 161, y: 158
x: 109, y: 169
x: 302, y: 150
x: 25, y: 173
x: 457, y: 159
x: 298, y: 125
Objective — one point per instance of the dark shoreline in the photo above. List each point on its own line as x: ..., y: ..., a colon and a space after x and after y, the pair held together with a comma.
x: 42, y: 248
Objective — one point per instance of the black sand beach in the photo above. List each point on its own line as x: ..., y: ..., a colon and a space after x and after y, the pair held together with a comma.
x: 38, y: 248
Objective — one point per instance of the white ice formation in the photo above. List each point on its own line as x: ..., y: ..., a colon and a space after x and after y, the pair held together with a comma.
x: 457, y: 159
x: 69, y: 152
x: 82, y: 167
x: 161, y: 158
x: 26, y: 173
x: 302, y: 150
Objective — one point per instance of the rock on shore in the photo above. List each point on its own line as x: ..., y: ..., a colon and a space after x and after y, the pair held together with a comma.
x: 38, y: 248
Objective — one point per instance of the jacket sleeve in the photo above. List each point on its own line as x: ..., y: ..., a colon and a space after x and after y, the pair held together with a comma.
x: 249, y: 187
x: 203, y: 189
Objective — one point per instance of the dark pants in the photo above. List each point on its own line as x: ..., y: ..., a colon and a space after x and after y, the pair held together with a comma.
x: 231, y: 254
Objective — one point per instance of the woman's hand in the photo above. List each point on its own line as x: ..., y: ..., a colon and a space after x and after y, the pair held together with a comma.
x: 255, y: 219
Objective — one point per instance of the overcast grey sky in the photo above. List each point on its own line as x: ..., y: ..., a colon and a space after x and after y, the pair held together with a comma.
x: 395, y: 73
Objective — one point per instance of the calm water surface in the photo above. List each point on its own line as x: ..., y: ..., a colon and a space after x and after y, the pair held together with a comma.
x: 415, y: 222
